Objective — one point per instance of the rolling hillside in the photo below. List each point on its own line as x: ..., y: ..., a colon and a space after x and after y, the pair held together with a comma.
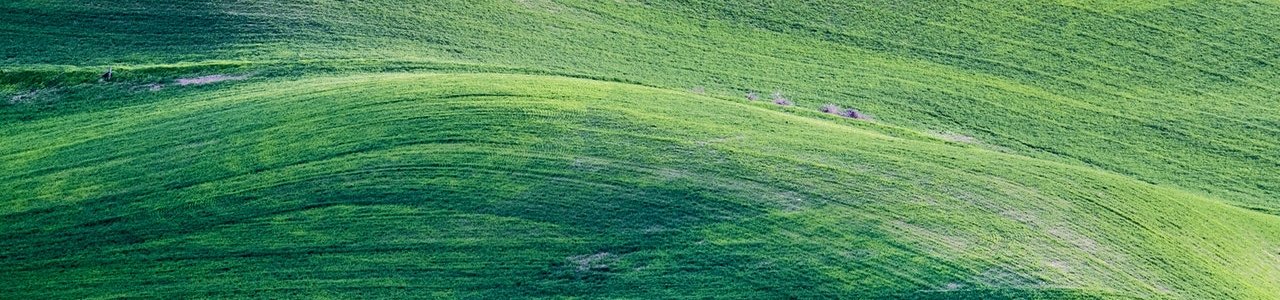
x: 605, y: 149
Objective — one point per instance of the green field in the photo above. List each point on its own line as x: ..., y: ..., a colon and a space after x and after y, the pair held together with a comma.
x: 606, y: 149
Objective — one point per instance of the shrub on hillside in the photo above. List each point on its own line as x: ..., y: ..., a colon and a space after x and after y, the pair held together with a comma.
x: 853, y: 113
x: 848, y: 113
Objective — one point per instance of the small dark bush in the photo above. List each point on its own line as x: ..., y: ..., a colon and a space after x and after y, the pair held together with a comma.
x: 853, y: 113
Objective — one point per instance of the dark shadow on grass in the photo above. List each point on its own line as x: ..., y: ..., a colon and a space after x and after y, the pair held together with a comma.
x: 97, y: 32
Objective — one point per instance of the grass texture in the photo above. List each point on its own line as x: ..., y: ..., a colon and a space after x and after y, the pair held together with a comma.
x: 606, y: 149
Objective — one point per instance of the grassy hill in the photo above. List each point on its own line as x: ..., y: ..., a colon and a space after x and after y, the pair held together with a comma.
x: 1072, y: 149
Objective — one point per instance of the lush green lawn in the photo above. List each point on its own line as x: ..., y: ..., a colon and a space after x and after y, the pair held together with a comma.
x: 501, y: 149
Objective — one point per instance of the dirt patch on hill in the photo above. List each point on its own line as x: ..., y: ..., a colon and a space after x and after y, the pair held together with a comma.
x: 209, y: 79
x: 150, y: 87
x: 1059, y: 265
x: 936, y: 236
x: 23, y: 97
x: 956, y: 137
x: 1080, y: 241
x: 593, y: 262
x: 34, y: 96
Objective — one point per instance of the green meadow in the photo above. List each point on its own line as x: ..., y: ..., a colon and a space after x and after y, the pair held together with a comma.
x: 609, y: 149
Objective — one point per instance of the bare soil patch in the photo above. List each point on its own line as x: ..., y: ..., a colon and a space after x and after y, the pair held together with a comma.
x: 956, y: 137
x: 150, y: 87
x: 592, y: 262
x: 23, y: 97
x: 1060, y: 265
x: 35, y: 95
x: 1080, y: 241
x: 209, y: 79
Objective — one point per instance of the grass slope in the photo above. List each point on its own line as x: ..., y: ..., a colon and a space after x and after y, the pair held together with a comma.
x: 538, y: 148
x: 501, y: 185
x: 1171, y: 93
